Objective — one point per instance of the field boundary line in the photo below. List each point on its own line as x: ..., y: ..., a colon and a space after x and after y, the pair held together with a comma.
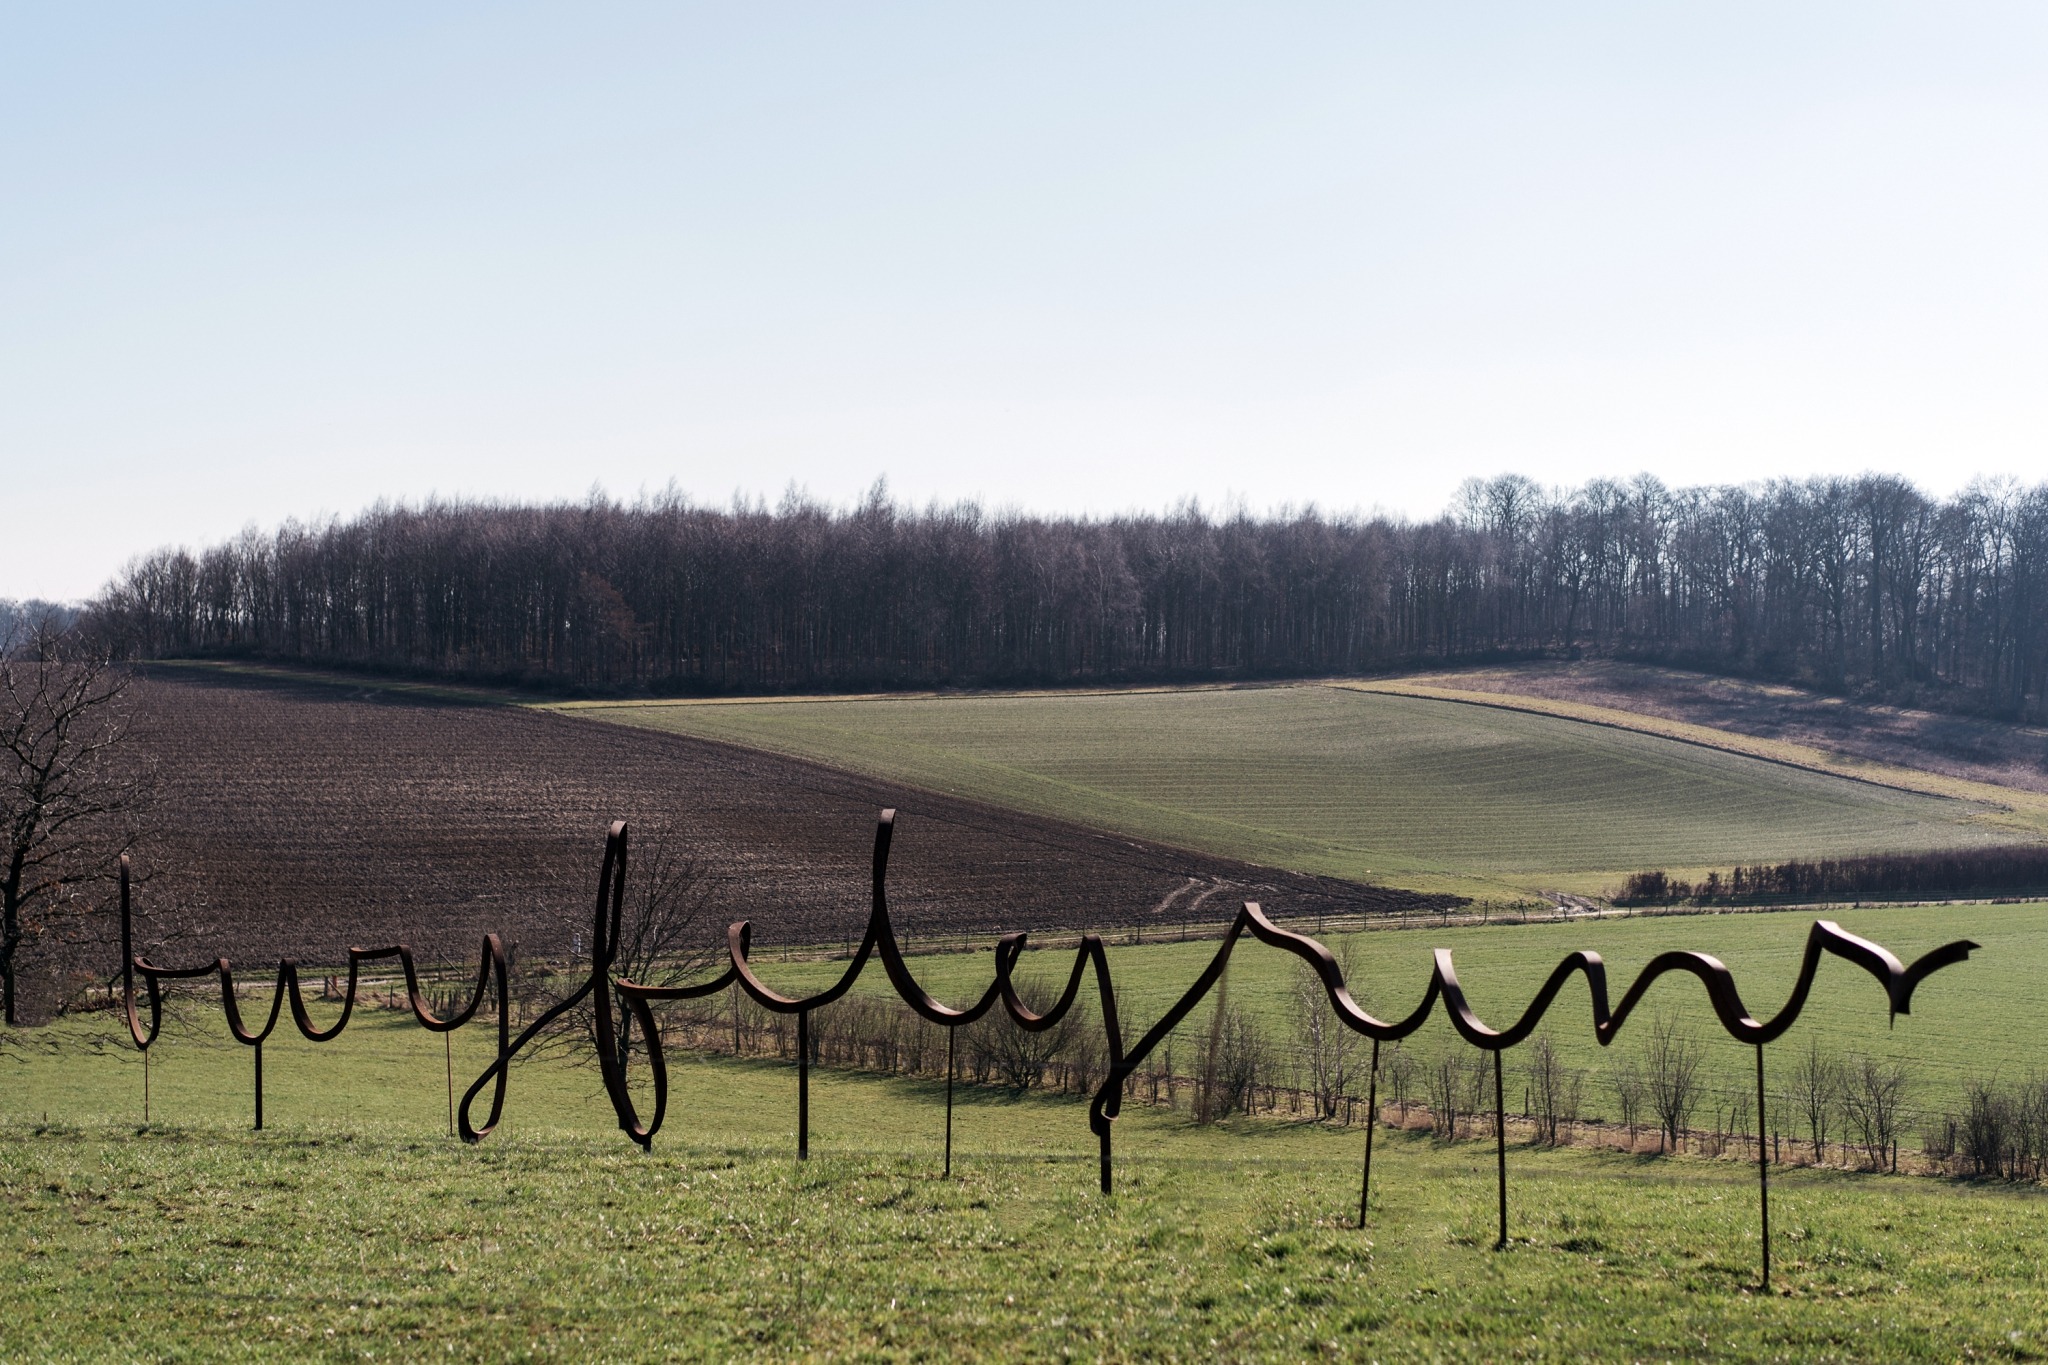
x: 326, y: 677
x: 964, y: 694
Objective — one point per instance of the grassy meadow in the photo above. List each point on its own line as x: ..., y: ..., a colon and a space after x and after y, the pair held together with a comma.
x: 354, y: 1228
x: 1413, y: 791
x: 1983, y: 1018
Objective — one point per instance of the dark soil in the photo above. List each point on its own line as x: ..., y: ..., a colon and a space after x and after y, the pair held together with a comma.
x: 299, y: 817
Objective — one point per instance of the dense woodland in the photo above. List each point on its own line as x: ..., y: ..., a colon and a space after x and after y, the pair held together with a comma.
x: 2016, y: 869
x: 1862, y: 584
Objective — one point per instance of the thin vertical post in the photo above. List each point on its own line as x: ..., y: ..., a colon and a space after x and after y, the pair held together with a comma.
x: 735, y: 1020
x: 1763, y: 1166
x: 950, y: 1034
x: 448, y: 1054
x: 259, y: 1087
x: 145, y: 1085
x: 1372, y: 1114
x: 1500, y: 1148
x: 803, y: 1085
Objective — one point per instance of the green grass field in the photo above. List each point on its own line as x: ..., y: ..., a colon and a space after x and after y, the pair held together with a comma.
x: 1983, y: 1018
x: 1417, y: 792
x: 354, y: 1228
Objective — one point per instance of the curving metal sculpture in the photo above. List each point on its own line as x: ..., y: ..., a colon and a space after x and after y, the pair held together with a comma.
x: 614, y: 1000
x: 286, y: 988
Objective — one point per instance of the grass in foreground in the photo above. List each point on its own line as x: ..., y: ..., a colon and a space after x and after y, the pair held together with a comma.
x: 1353, y: 784
x: 355, y: 1228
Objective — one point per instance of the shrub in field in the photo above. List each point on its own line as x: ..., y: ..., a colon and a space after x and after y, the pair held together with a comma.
x: 1873, y: 1098
x: 1555, y: 1089
x: 1398, y: 1068
x: 1458, y: 1080
x: 1328, y: 1049
x: 1625, y: 1078
x: 1815, y: 1089
x: 1001, y: 1050
x: 1671, y: 1067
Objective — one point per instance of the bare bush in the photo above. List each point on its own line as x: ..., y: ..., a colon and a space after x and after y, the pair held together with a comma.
x: 1872, y: 1098
x: 1671, y: 1062
x: 1625, y: 1078
x: 1815, y: 1089
x: 1328, y: 1048
x: 1001, y: 1049
x: 1398, y: 1067
x: 1555, y: 1089
x: 1448, y: 1085
x: 1989, y: 1129
x: 1241, y: 1061
x: 660, y: 943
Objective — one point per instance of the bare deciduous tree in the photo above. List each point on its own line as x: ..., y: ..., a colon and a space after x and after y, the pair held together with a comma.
x: 1873, y: 1095
x: 1671, y: 1062
x: 1456, y: 1085
x: 1815, y: 1089
x: 72, y: 790
x: 1625, y: 1078
x: 1328, y: 1049
x: 663, y: 941
x: 1397, y: 1065
x: 1555, y: 1088
x: 1863, y: 582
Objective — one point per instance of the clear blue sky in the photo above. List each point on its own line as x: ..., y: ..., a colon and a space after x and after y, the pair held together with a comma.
x: 264, y: 261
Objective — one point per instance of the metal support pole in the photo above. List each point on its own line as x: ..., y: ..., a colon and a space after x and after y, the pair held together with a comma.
x: 1763, y: 1166
x: 259, y: 1087
x: 1372, y: 1115
x: 145, y: 1085
x: 951, y: 1033
x: 1500, y: 1148
x: 448, y: 1053
x: 803, y: 1085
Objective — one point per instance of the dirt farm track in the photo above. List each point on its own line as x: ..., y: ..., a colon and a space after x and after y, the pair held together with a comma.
x: 298, y: 818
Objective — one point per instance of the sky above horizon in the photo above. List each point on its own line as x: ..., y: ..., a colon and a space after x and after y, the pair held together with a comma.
x: 260, y: 262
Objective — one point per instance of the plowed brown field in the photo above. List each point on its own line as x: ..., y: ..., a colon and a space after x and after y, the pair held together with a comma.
x: 301, y: 817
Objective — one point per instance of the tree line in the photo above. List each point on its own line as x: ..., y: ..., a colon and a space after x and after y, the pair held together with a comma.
x: 1864, y: 584
x: 2006, y: 870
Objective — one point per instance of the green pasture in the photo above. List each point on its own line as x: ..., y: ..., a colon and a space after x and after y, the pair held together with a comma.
x: 1372, y: 787
x: 1985, y: 1018
x: 354, y: 1228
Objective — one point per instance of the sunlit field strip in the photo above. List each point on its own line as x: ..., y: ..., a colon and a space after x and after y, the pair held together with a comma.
x: 2025, y: 811
x: 1427, y: 793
